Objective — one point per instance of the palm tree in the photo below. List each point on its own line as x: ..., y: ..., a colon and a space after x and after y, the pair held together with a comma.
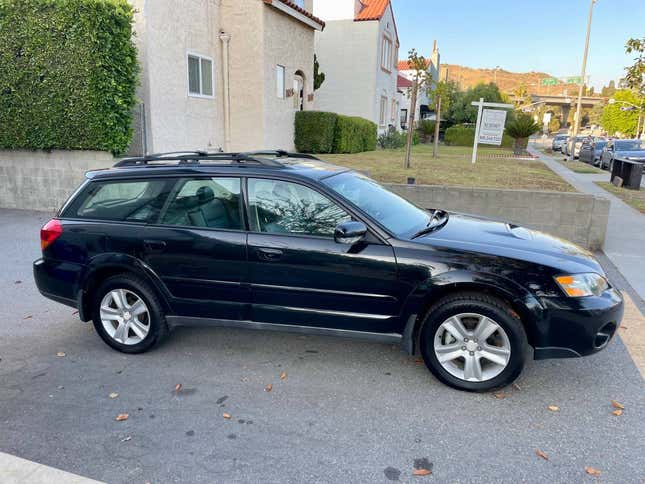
x: 520, y: 129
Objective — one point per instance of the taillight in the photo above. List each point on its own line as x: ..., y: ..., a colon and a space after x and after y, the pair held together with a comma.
x: 50, y: 232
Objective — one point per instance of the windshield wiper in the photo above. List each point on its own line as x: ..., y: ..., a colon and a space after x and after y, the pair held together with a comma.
x: 438, y: 219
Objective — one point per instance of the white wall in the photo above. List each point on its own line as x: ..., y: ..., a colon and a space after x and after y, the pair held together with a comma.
x: 336, y: 9
x: 385, y: 81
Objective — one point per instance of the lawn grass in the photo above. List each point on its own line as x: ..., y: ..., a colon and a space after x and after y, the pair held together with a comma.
x: 634, y: 198
x: 454, y: 168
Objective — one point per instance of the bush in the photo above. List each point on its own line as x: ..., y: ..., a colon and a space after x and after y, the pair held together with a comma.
x: 315, y: 131
x: 69, y: 74
x: 464, y: 135
x: 321, y: 132
x: 426, y: 130
x: 394, y: 139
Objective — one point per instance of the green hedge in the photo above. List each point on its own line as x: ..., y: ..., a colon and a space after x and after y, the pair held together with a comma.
x: 322, y: 132
x: 68, y: 74
x: 460, y: 135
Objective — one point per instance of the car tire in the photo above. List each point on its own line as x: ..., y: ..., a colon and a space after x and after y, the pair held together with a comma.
x: 466, y: 306
x: 143, y: 330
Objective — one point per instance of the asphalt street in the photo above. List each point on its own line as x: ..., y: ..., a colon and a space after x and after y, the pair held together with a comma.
x: 347, y: 411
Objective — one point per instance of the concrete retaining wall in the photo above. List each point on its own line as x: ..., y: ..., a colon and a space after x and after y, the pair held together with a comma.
x: 577, y: 217
x: 42, y: 180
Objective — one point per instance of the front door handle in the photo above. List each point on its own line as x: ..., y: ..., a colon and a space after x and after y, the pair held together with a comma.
x: 269, y: 254
x: 154, y: 245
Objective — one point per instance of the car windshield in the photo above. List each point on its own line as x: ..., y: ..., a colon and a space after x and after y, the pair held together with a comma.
x: 630, y: 145
x: 394, y: 213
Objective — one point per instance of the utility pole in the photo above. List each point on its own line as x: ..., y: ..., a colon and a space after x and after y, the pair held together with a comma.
x: 576, y: 118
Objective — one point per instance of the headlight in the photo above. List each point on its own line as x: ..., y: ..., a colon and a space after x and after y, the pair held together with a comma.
x: 580, y: 285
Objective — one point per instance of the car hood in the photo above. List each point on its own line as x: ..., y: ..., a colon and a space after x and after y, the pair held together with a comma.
x: 481, y: 235
x: 640, y: 154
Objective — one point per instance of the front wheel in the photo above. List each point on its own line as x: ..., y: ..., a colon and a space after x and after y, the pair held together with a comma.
x: 473, y: 342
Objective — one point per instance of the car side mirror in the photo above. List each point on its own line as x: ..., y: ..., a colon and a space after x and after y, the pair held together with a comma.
x: 350, y: 232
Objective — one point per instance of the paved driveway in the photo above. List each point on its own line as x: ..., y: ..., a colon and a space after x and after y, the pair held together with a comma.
x: 346, y: 412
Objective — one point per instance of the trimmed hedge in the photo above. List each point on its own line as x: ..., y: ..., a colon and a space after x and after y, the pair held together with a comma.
x: 68, y: 74
x: 460, y: 135
x: 322, y: 132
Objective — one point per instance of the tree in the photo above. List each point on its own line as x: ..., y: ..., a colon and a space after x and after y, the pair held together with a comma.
x: 635, y: 78
x: 522, y: 95
x: 608, y: 91
x: 319, y: 77
x: 440, y: 99
x: 520, y: 129
x: 620, y: 116
x: 461, y: 111
x: 421, y: 79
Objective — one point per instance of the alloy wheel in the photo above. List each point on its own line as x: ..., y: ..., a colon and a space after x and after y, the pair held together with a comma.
x: 125, y: 316
x: 472, y: 347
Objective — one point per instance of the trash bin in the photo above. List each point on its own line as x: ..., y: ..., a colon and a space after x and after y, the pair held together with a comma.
x: 631, y: 172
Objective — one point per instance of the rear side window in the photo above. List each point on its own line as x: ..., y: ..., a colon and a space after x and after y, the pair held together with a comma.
x: 126, y: 201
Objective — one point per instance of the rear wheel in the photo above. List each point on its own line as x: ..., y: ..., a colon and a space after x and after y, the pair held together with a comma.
x: 473, y: 342
x: 127, y: 314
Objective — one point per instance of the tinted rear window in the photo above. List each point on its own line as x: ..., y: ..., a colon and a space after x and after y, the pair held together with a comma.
x: 128, y: 201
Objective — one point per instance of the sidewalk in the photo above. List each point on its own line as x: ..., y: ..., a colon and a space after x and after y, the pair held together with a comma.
x: 625, y: 242
x: 14, y: 470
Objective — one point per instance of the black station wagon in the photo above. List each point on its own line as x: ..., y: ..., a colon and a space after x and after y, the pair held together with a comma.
x: 283, y: 241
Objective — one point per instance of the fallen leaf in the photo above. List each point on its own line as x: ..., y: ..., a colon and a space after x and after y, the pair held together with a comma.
x: 226, y: 415
x: 121, y: 417
x: 517, y: 387
x: 126, y: 439
x: 177, y: 387
x: 29, y: 316
x: 61, y: 354
x: 624, y: 327
x: 554, y: 408
x: 283, y: 375
x: 539, y: 453
x: 617, y: 413
x: 114, y: 395
x: 421, y: 472
x: 418, y: 361
x: 499, y: 395
x: 591, y: 471
x: 268, y: 388
x: 617, y: 405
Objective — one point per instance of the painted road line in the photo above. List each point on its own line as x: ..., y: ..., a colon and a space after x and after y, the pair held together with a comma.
x: 632, y: 332
x: 14, y: 470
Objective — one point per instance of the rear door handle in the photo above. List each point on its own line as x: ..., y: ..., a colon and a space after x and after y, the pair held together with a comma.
x: 154, y: 245
x: 269, y: 254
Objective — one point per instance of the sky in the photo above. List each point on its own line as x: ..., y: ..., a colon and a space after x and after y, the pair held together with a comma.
x: 523, y: 35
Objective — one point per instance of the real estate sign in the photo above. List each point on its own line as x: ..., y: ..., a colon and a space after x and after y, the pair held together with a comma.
x: 492, y: 126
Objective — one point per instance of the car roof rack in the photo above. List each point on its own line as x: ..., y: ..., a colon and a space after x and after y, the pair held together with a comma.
x: 197, y: 157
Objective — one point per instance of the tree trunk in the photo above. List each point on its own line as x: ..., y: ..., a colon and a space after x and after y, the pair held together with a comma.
x: 413, y: 108
x: 519, y: 145
x: 437, y: 122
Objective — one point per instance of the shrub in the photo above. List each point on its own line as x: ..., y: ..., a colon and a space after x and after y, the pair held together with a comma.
x: 520, y: 129
x: 321, y: 132
x: 464, y: 135
x: 314, y: 131
x: 426, y: 130
x: 69, y: 74
x: 394, y: 139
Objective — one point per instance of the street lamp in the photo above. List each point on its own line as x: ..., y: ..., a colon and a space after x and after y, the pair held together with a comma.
x: 631, y: 108
x: 583, y: 75
x: 495, y: 74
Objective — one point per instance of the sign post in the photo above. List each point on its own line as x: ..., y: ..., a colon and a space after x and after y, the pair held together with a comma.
x: 493, y: 124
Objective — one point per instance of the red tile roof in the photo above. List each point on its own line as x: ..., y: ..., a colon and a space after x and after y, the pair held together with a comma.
x: 372, y: 9
x: 301, y: 10
x: 403, y: 82
x: 404, y: 65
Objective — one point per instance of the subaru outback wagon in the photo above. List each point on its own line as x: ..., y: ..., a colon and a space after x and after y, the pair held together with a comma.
x: 283, y: 241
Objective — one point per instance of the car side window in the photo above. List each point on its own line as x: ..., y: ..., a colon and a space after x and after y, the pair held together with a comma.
x: 281, y: 207
x: 124, y: 201
x: 205, y: 202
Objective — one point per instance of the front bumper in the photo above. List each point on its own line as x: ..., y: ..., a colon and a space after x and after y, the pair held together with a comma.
x: 573, y: 327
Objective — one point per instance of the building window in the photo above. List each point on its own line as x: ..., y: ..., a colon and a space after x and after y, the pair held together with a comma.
x: 395, y: 109
x: 383, y: 113
x: 404, y: 118
x: 386, y: 53
x: 279, y: 81
x: 200, y: 76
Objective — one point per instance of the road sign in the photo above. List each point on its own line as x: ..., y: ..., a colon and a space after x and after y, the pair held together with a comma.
x: 573, y: 80
x: 492, y: 127
x: 549, y: 81
x: 480, y: 107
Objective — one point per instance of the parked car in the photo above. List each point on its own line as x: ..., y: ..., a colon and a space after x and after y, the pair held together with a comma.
x: 566, y: 147
x: 631, y: 149
x: 558, y: 141
x: 591, y: 150
x: 283, y: 241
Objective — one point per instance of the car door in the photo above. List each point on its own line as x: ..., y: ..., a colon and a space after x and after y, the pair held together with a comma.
x: 606, y: 156
x: 198, y: 248
x: 300, y: 276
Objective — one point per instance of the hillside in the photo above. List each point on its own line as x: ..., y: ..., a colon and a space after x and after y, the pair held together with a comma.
x: 507, y: 81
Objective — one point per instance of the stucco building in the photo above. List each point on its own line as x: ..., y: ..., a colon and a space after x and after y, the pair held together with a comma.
x: 358, y: 52
x: 226, y: 74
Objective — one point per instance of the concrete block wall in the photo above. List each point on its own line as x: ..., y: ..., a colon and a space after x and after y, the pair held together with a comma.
x: 43, y: 180
x: 578, y: 217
